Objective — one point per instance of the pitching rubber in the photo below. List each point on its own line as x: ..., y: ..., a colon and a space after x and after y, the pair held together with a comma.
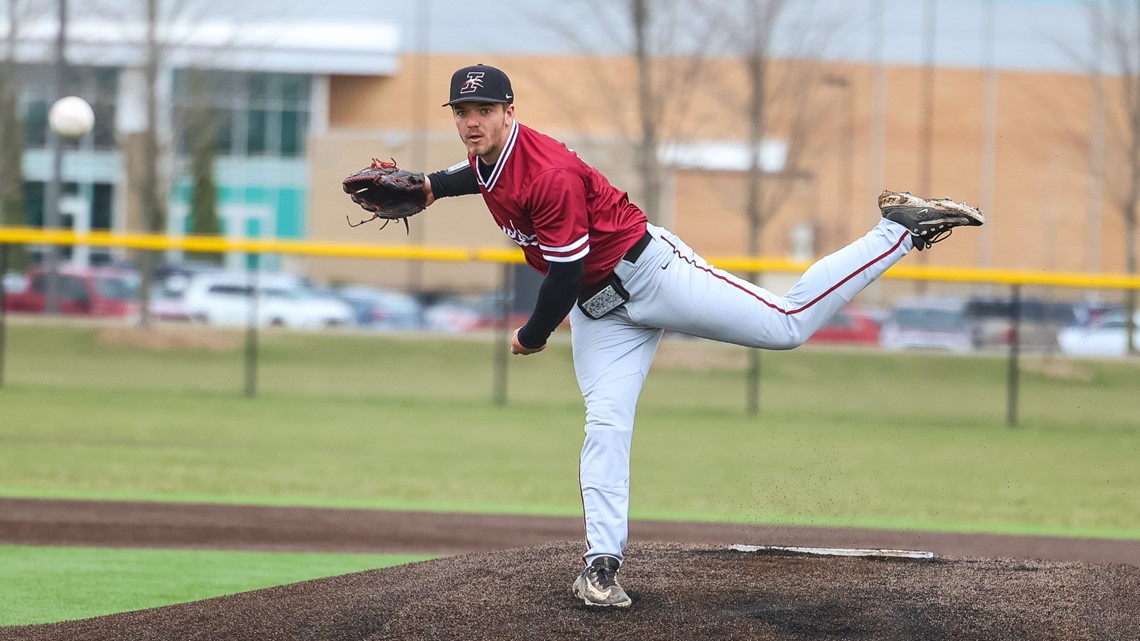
x: 786, y: 550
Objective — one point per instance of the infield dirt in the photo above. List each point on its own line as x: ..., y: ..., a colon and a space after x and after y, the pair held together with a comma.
x: 680, y: 590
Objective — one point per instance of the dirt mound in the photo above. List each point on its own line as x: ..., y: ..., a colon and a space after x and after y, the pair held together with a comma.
x: 679, y: 592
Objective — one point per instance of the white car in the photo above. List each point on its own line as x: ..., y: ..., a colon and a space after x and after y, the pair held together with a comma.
x: 927, y: 323
x: 282, y: 300
x: 1106, y: 337
x: 382, y: 309
x: 14, y: 282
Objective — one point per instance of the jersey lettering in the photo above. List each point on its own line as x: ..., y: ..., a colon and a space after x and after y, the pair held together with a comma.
x: 522, y: 239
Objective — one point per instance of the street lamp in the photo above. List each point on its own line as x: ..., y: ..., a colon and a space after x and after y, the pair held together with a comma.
x: 70, y: 118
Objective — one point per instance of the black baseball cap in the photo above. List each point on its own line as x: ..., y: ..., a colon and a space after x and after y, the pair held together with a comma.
x: 480, y: 83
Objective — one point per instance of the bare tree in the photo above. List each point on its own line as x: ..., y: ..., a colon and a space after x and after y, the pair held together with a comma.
x: 669, y: 44
x: 146, y: 22
x: 161, y: 27
x: 776, y: 105
x: 151, y: 192
x: 200, y: 140
x: 781, y: 100
x: 1115, y: 25
x: 11, y: 157
x: 648, y: 108
x: 11, y: 129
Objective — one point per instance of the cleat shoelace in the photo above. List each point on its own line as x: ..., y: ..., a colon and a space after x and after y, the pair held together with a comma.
x: 606, y: 578
x: 939, y: 236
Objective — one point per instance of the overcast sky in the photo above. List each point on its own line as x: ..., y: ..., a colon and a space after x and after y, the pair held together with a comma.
x: 1027, y: 34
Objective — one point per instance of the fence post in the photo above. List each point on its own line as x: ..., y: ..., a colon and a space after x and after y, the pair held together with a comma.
x: 251, y: 335
x: 3, y: 311
x: 503, y: 333
x: 752, y: 379
x: 1014, y: 351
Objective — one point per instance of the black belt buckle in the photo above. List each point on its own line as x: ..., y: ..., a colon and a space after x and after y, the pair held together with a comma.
x: 634, y: 252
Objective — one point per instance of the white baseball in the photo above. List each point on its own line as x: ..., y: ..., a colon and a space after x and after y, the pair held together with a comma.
x: 71, y: 117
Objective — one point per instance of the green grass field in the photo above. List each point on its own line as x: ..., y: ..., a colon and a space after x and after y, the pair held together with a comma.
x: 44, y: 585
x: 844, y: 438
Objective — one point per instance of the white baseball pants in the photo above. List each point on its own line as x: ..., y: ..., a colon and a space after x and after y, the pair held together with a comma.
x: 673, y: 288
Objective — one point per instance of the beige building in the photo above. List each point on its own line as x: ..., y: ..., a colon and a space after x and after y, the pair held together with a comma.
x: 301, y: 105
x: 1045, y: 211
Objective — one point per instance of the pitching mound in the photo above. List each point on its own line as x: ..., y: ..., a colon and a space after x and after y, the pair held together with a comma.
x: 679, y: 592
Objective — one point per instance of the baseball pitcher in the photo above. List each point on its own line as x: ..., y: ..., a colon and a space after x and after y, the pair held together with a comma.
x: 623, y: 282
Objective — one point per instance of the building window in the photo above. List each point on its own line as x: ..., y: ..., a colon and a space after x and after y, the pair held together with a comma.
x: 99, y: 199
x: 259, y: 115
x: 92, y: 201
x: 36, y: 124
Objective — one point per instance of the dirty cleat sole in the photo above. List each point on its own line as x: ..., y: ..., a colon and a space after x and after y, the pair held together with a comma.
x: 928, y: 221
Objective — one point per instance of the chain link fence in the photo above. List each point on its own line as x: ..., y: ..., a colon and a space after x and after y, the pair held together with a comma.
x: 1044, y: 317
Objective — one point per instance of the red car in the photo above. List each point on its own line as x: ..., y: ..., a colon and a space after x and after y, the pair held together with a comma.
x: 849, y: 326
x: 98, y: 291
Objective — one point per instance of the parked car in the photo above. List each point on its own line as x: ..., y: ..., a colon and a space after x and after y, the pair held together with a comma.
x: 321, y: 308
x: 927, y: 323
x: 168, y: 299
x: 184, y: 269
x: 283, y: 300
x: 1091, y: 312
x: 851, y: 325
x: 1039, y: 321
x: 1103, y: 337
x: 453, y: 314
x: 469, y: 313
x: 378, y: 308
x: 83, y: 291
x: 168, y: 303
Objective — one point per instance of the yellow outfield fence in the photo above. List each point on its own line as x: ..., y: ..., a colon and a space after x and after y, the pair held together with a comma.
x: 1014, y: 279
x: 217, y: 244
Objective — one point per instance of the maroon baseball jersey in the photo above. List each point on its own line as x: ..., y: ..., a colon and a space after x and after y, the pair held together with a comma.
x: 556, y: 207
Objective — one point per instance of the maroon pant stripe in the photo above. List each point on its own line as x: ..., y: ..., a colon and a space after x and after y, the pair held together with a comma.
x: 751, y: 293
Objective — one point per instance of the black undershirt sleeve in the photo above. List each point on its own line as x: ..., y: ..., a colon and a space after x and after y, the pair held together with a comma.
x: 460, y: 182
x: 556, y: 297
x: 559, y: 290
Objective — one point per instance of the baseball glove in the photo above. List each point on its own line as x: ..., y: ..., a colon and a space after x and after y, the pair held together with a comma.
x: 387, y: 191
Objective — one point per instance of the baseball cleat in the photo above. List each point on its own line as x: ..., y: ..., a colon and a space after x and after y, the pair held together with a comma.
x: 597, y: 584
x: 929, y: 221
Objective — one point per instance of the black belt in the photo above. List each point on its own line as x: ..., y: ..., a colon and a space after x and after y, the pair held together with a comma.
x: 634, y: 252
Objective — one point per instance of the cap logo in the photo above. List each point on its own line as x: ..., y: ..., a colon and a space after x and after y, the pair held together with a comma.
x: 473, y: 83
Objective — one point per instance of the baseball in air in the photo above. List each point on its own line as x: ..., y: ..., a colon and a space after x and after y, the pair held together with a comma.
x: 71, y: 117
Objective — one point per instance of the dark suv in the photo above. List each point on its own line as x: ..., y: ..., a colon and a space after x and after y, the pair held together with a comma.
x: 991, y: 322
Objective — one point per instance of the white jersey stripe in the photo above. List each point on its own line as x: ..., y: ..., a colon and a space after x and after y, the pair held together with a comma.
x: 567, y: 259
x: 571, y: 247
x: 507, y: 149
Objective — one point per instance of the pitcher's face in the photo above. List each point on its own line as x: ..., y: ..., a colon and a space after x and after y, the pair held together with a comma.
x: 484, y: 127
